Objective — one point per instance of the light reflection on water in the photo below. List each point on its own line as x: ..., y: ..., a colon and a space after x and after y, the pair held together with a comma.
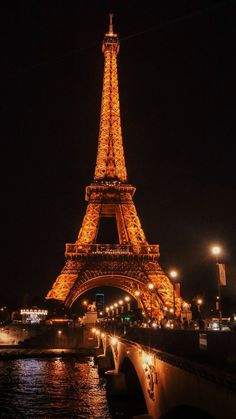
x: 52, y: 388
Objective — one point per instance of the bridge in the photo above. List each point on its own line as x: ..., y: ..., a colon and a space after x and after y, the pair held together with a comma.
x: 173, y: 373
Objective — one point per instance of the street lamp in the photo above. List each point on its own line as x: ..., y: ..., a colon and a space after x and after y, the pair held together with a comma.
x: 121, y: 302
x: 127, y: 299
x: 116, y: 309
x: 216, y: 251
x: 199, y: 303
x: 85, y: 304
x: 173, y: 275
x: 151, y: 288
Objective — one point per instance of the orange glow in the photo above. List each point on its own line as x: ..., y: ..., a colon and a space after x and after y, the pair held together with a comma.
x: 132, y: 263
x: 114, y: 341
x: 173, y: 274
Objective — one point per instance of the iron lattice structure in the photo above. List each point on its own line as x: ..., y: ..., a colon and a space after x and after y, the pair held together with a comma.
x: 132, y: 263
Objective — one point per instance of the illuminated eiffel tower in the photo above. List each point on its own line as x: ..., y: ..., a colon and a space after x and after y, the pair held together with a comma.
x: 132, y: 264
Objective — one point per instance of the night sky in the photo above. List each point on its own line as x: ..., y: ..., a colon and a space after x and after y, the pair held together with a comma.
x: 177, y: 67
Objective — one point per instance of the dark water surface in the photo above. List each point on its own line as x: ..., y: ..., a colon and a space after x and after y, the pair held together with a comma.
x: 54, y: 388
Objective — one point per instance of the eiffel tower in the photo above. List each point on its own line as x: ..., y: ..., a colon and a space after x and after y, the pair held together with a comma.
x: 132, y: 264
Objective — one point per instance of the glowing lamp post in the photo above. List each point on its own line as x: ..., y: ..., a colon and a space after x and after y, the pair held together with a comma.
x: 121, y: 304
x: 151, y: 289
x: 173, y: 275
x: 116, y: 308
x: 199, y: 304
x: 216, y: 251
x: 85, y: 304
x: 127, y: 299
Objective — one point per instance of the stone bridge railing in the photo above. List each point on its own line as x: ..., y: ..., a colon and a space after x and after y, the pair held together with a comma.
x: 215, y: 348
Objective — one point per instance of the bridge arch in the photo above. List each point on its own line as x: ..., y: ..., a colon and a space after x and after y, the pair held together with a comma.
x: 132, y: 380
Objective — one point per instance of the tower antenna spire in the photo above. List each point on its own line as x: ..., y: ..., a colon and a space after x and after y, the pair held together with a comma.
x: 111, y: 24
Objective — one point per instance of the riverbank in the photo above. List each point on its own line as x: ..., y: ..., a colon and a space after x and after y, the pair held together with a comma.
x: 17, y: 353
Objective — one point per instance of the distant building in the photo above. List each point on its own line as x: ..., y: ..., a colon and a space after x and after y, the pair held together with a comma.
x: 99, y: 298
x: 33, y: 316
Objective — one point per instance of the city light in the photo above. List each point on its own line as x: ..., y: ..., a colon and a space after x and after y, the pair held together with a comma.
x: 150, y: 286
x: 127, y: 298
x: 114, y: 341
x: 33, y: 315
x: 173, y: 274
x: 148, y: 359
x: 216, y: 250
x: 137, y: 293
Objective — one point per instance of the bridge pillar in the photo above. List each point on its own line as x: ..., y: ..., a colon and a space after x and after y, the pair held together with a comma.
x: 104, y: 364
x: 116, y: 383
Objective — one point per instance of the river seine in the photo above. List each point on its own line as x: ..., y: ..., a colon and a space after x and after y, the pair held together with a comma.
x: 55, y: 388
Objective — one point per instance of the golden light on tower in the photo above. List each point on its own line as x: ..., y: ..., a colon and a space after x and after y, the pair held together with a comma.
x: 110, y: 195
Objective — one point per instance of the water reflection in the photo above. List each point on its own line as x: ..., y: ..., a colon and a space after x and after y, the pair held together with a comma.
x: 52, y: 388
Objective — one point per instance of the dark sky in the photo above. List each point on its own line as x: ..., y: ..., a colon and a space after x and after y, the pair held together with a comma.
x: 177, y: 66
